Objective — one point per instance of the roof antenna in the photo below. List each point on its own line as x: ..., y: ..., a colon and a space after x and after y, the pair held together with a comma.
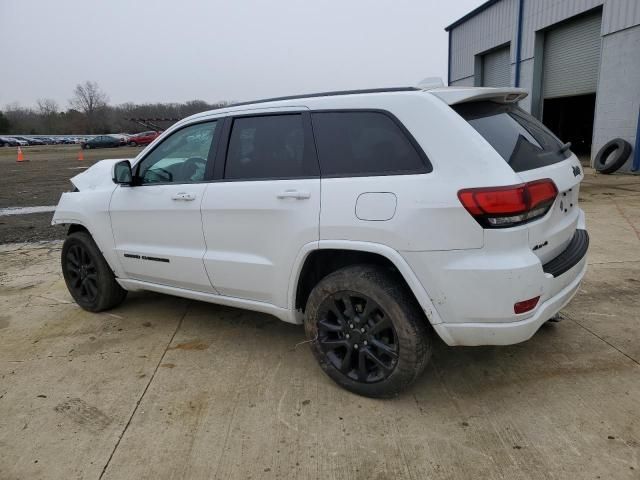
x: 429, y: 83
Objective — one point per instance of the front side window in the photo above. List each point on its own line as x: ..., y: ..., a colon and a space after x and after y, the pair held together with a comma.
x: 181, y: 157
x: 363, y: 143
x: 269, y: 147
x: 520, y: 139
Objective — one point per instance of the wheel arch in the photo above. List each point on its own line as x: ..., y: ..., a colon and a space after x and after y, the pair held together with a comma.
x: 108, y: 253
x: 77, y: 227
x: 317, y: 260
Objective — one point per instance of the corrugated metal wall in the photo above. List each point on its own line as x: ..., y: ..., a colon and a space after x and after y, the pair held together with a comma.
x: 497, y: 25
x: 620, y: 14
x: 489, y: 29
x: 540, y: 14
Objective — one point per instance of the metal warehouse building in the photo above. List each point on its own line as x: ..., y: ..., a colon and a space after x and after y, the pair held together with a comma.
x: 579, y: 59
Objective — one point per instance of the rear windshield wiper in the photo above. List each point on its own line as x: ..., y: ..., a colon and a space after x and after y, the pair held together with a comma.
x: 565, y: 147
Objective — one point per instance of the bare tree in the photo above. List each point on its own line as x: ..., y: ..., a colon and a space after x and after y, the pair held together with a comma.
x: 47, y: 106
x: 48, y: 111
x: 89, y: 99
x: 23, y: 119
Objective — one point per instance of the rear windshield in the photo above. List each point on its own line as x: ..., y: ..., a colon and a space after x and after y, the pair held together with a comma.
x: 523, y: 141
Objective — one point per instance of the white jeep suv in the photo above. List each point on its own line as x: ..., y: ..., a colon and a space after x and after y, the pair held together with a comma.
x: 377, y: 218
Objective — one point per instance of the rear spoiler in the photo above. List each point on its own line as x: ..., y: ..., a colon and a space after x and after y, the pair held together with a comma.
x: 455, y: 95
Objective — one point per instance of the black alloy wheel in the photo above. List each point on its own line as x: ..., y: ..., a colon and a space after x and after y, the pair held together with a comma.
x: 90, y: 280
x: 367, y: 331
x: 82, y: 273
x: 357, y: 337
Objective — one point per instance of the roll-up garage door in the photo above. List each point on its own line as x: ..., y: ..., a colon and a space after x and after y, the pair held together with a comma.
x: 572, y: 58
x: 496, y: 68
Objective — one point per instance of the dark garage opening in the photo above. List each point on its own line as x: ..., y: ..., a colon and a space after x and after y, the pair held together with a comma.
x: 571, y: 119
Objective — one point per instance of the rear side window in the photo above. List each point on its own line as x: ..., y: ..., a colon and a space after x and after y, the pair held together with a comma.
x: 363, y: 143
x: 519, y: 138
x: 269, y: 147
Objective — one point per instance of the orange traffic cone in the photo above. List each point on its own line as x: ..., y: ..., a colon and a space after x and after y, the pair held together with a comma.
x: 80, y: 155
x: 20, y: 155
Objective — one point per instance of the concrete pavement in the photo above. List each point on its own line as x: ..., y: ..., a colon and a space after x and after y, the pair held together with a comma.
x: 167, y: 388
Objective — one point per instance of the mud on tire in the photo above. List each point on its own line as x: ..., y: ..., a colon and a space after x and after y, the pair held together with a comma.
x: 367, y: 331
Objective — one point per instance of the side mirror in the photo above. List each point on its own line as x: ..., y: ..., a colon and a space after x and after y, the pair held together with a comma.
x: 121, y: 173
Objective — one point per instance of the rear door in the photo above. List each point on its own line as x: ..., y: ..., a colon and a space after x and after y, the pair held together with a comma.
x: 534, y: 153
x: 263, y: 206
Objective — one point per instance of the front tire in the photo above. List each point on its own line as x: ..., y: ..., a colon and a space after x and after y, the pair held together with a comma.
x: 89, y: 278
x: 366, y: 331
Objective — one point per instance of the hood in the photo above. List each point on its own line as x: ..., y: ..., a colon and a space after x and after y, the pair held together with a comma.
x: 97, y: 176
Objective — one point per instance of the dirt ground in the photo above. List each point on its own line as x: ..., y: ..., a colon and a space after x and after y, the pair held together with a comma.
x: 40, y: 181
x: 163, y: 387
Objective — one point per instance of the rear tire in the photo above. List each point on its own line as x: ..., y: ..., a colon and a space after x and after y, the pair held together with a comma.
x: 89, y: 278
x: 367, y: 331
x: 133, y: 144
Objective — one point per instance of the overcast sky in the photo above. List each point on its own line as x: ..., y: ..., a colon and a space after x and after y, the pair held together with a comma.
x: 178, y: 50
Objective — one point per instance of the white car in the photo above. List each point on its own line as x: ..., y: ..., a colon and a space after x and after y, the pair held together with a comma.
x: 21, y: 143
x: 377, y: 218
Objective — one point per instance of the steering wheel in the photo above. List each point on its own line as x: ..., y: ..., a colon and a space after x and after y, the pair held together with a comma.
x: 161, y: 174
x: 192, y: 166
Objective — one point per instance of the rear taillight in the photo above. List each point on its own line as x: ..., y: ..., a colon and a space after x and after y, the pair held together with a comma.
x: 501, y: 207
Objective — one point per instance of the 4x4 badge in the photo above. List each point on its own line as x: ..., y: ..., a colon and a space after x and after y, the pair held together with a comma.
x: 576, y: 171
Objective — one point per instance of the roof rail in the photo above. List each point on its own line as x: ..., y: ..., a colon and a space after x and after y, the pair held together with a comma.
x: 328, y: 94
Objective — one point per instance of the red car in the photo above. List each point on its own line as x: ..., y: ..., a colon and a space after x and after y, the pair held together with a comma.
x: 144, y: 138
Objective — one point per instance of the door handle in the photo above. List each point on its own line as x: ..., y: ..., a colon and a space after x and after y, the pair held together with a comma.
x: 294, y: 194
x: 185, y: 197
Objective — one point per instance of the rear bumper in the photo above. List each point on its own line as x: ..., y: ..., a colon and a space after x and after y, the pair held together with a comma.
x: 474, y: 291
x: 472, y: 334
x: 575, y: 251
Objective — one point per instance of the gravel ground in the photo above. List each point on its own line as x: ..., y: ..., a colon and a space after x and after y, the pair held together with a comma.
x: 40, y: 181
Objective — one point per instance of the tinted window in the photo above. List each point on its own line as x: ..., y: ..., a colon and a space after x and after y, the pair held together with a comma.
x: 181, y: 157
x: 268, y: 147
x: 518, y: 137
x: 363, y: 143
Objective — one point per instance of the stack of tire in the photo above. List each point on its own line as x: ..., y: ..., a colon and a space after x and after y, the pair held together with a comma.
x: 612, y: 156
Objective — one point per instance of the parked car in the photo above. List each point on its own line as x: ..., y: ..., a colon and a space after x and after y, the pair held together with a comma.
x: 123, y: 138
x: 378, y: 219
x: 9, y: 142
x: 30, y: 140
x: 21, y: 143
x: 101, y: 141
x: 144, y: 138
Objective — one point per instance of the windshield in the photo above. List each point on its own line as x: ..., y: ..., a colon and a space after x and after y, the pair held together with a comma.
x: 523, y: 141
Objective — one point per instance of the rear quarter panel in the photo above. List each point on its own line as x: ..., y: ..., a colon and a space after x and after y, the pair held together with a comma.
x: 428, y: 215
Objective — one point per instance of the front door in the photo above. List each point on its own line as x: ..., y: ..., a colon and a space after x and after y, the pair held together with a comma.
x: 263, y: 206
x: 156, y: 223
